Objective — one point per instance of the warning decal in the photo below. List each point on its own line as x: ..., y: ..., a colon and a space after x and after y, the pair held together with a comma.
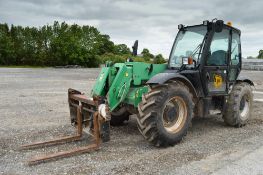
x: 218, y: 80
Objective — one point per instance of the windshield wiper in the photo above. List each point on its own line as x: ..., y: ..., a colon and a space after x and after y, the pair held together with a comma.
x: 196, y: 49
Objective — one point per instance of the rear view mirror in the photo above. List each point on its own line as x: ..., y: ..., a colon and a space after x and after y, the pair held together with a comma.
x: 187, y: 60
x: 219, y: 24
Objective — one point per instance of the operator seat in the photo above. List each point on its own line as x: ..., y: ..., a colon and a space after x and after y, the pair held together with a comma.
x: 217, y: 58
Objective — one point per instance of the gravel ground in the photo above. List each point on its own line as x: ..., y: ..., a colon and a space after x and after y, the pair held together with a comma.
x: 33, y: 107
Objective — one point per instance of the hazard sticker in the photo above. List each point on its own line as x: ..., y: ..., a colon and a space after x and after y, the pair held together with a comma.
x: 218, y: 80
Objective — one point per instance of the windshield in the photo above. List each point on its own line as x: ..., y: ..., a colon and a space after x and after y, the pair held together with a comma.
x: 188, y: 44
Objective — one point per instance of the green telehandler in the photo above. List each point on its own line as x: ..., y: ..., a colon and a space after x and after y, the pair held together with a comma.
x: 202, y: 74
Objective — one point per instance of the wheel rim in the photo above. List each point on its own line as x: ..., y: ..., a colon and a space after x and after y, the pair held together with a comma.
x: 174, y: 114
x: 244, y: 107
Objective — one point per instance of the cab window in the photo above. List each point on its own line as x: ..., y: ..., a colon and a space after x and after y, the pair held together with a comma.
x: 235, y: 49
x: 218, y: 49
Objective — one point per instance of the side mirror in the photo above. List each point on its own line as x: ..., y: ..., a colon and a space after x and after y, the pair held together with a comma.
x: 219, y: 24
x: 135, y: 48
x: 187, y: 60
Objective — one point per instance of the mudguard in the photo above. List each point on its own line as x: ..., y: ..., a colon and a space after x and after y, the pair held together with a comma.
x: 161, y: 78
x: 245, y: 79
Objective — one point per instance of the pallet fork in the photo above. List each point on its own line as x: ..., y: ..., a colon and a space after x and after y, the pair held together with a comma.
x: 82, y: 111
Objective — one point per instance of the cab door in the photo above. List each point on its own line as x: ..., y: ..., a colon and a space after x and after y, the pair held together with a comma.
x: 235, y: 57
x: 216, y: 64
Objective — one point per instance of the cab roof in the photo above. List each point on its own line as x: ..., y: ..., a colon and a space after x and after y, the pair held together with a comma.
x: 210, y: 24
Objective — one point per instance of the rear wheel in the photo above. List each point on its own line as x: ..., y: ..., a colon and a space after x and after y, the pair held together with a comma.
x: 239, y: 105
x: 165, y: 114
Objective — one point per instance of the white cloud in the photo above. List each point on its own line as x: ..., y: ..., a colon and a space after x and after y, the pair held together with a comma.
x: 153, y: 23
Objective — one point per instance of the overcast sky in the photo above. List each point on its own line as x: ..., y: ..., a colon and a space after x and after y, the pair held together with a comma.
x: 153, y: 22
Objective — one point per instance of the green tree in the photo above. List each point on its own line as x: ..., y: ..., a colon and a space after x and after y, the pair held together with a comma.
x: 90, y: 45
x: 139, y: 59
x: 260, y: 55
x: 30, y: 46
x: 57, y: 45
x: 44, y: 48
x: 7, y: 51
x: 121, y: 49
x: 17, y: 36
x: 147, y: 55
x: 113, y: 57
x: 159, y: 59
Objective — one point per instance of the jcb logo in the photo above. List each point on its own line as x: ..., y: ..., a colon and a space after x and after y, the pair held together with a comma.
x: 218, y: 81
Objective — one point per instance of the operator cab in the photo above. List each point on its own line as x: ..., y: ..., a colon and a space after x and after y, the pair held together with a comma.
x: 210, y: 52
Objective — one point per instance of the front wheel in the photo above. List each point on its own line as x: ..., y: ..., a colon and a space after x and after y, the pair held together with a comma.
x: 165, y: 114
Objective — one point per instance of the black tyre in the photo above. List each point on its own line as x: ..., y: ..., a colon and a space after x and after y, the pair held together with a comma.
x: 119, y: 117
x: 239, y: 105
x: 165, y: 114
